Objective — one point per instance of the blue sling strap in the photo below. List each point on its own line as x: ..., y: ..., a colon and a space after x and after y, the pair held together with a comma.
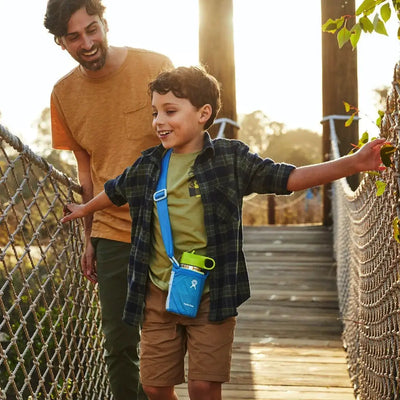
x: 160, y: 197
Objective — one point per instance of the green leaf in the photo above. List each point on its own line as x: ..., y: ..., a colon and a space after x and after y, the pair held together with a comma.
x: 398, y: 31
x: 363, y: 140
x: 387, y: 150
x: 332, y: 26
x: 378, y: 121
x: 386, y: 12
x: 343, y: 36
x: 329, y: 26
x: 396, y: 229
x: 379, y: 26
x: 367, y: 7
x: 366, y: 24
x: 380, y: 187
x: 355, y: 35
x: 349, y: 121
x: 396, y: 4
x: 339, y: 22
x: 347, y: 106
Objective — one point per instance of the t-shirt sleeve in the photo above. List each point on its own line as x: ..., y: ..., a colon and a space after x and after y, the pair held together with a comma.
x: 61, y: 136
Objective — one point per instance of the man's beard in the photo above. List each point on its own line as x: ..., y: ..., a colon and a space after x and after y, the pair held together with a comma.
x: 97, y: 64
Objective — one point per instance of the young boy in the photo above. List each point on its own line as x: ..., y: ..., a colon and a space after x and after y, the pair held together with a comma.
x: 207, y: 180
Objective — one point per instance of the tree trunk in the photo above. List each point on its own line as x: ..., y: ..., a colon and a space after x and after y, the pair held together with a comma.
x: 216, y: 53
x: 339, y: 84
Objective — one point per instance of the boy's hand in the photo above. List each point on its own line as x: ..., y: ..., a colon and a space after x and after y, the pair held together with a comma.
x: 72, y: 211
x: 369, y: 156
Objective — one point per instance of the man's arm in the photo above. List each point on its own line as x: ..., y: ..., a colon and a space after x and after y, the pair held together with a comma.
x: 366, y: 159
x: 88, y: 259
x: 85, y: 180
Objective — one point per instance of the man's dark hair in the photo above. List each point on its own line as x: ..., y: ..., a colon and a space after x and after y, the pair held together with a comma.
x: 192, y: 83
x: 59, y: 12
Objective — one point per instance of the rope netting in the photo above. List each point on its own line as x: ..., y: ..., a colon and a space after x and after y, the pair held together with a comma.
x: 51, y: 345
x: 368, y: 269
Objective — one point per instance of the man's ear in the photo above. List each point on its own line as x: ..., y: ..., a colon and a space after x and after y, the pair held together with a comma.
x: 205, y: 113
x: 105, y: 23
x: 58, y: 40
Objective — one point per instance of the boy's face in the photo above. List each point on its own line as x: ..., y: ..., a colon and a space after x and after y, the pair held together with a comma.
x: 86, y: 40
x: 179, y: 124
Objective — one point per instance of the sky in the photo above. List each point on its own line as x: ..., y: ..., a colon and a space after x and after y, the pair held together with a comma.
x: 277, y: 56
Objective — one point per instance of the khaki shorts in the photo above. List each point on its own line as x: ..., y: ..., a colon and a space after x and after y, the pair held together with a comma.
x: 166, y: 337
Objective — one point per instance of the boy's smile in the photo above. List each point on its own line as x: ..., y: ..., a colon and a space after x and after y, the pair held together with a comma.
x: 178, y: 124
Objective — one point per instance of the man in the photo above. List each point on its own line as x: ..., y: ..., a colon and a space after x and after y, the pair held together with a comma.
x: 101, y: 111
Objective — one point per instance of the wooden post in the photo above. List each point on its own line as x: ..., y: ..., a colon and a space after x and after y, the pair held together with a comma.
x: 271, y: 209
x: 339, y: 84
x: 216, y: 53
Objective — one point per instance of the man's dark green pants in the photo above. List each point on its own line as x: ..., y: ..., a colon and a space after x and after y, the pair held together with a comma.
x: 121, y: 340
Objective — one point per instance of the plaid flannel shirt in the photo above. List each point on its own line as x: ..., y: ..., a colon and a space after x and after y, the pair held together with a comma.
x: 225, y: 171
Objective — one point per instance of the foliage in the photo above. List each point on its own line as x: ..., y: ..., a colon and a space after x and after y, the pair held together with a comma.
x: 256, y: 129
x: 354, y: 112
x: 363, y: 140
x: 396, y: 229
x: 387, y: 151
x: 270, y: 139
x: 371, y: 16
x: 299, y: 147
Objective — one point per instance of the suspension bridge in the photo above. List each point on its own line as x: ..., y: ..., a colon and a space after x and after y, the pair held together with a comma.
x: 322, y: 323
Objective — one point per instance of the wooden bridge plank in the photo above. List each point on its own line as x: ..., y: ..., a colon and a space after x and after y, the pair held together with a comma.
x: 288, y: 338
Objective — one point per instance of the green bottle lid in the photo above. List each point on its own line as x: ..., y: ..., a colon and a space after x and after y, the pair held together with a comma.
x: 197, y: 260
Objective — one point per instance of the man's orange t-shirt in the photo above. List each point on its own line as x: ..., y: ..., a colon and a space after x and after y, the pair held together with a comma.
x: 110, y: 118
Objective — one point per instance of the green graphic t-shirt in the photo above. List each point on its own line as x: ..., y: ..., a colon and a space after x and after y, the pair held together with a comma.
x: 187, y: 219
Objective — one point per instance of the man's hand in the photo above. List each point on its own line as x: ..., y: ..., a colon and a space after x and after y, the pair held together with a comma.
x: 88, y: 263
x: 88, y: 260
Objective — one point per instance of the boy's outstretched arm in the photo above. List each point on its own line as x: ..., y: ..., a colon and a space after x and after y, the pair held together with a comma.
x: 99, y: 202
x: 368, y: 158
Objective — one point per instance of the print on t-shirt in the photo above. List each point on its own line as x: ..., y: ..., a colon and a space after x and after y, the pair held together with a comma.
x: 194, y: 190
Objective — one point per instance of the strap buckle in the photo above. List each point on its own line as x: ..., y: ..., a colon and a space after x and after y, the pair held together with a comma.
x: 174, y: 261
x: 160, y: 195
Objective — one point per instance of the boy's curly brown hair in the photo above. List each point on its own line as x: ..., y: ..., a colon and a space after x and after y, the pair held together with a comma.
x: 192, y: 83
